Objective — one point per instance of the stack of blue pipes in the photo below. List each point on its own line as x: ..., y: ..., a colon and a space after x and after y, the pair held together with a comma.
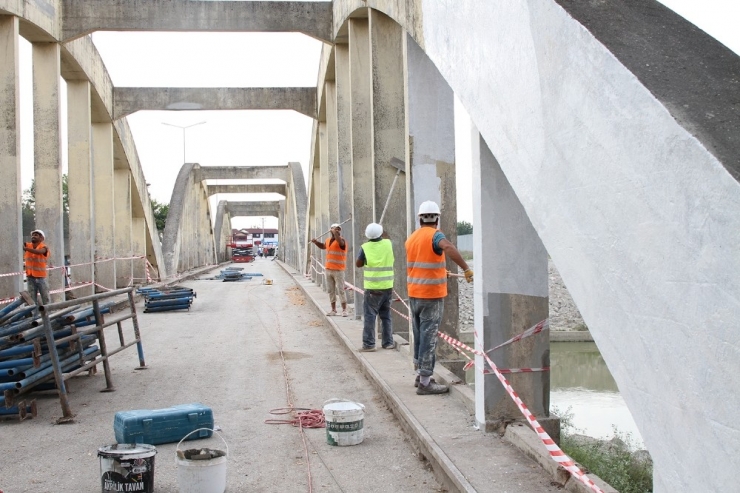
x: 22, y: 334
x: 166, y: 299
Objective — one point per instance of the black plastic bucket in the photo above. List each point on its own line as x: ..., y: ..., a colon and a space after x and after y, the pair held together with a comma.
x: 127, y: 467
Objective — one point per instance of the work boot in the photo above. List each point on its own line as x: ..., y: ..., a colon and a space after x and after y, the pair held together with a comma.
x: 432, y: 388
x: 418, y: 379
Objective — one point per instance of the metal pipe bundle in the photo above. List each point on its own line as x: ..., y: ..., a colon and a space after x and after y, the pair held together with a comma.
x: 167, y: 299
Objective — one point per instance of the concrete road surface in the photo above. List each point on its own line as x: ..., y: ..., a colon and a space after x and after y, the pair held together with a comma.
x: 244, y: 349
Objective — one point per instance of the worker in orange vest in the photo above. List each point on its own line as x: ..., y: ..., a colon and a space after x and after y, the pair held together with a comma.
x: 336, y: 257
x: 426, y: 271
x: 35, y: 256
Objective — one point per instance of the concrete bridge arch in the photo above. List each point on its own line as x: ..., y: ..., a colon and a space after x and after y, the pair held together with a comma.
x: 580, y: 152
x: 191, y: 239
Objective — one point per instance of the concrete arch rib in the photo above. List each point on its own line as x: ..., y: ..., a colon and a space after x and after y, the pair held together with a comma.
x: 620, y: 187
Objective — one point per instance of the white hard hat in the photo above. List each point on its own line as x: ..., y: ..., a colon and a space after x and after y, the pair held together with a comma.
x: 336, y: 225
x: 373, y: 231
x: 39, y: 232
x: 429, y: 211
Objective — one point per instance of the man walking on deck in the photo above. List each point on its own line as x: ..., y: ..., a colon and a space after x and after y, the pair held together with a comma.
x: 426, y: 251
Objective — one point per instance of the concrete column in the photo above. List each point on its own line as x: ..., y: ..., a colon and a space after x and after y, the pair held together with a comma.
x: 362, y: 137
x: 323, y: 202
x: 105, y: 217
x: 315, y: 220
x: 122, y: 204
x: 11, y: 258
x: 138, y: 248
x: 344, y: 157
x: 47, y: 147
x: 511, y: 295
x: 331, y: 151
x: 389, y: 141
x: 431, y: 131
x: 80, y: 185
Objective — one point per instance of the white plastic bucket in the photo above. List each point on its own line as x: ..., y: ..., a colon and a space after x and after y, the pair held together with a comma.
x: 344, y: 422
x: 201, y: 476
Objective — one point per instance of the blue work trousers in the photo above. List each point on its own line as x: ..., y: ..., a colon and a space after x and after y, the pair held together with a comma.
x: 426, y: 317
x: 40, y: 286
x: 377, y: 303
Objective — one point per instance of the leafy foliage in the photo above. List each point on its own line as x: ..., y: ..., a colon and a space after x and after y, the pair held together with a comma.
x: 160, y: 212
x: 28, y: 207
x: 464, y: 228
x: 613, y: 460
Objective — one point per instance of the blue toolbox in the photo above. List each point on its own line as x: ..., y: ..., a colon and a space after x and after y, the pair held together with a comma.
x: 155, y: 426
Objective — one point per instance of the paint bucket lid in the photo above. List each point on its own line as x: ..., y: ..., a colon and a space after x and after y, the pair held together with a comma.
x: 127, y: 450
x: 343, y: 406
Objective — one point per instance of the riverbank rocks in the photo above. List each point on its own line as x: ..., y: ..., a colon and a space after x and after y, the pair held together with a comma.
x: 564, y: 314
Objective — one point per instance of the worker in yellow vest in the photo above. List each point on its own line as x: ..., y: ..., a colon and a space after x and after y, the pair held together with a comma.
x: 376, y: 257
x: 426, y: 271
x: 336, y: 256
x: 35, y: 256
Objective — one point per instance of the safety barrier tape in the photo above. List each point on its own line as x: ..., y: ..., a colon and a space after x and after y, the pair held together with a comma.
x: 97, y: 260
x: 539, y: 327
x: 555, y: 452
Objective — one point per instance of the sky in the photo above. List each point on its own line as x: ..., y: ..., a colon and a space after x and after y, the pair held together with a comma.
x: 262, y: 137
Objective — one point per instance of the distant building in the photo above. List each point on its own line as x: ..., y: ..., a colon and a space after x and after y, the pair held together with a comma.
x: 254, y: 236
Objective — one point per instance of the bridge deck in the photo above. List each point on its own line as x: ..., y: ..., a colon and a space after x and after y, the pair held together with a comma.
x: 225, y: 353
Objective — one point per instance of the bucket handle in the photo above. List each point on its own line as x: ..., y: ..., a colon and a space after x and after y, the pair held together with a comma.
x: 335, y: 399
x: 177, y: 449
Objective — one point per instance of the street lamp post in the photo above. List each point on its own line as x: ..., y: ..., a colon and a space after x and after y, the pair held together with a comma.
x: 183, y: 135
x: 263, y: 237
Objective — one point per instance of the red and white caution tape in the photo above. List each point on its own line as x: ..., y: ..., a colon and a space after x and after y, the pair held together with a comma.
x: 539, y: 327
x: 555, y: 452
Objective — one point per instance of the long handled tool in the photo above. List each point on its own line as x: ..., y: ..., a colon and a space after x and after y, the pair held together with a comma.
x: 329, y: 230
x: 400, y: 166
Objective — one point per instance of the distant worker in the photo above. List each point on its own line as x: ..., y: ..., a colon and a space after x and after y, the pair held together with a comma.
x: 336, y: 255
x: 376, y: 256
x: 35, y: 256
x: 426, y: 251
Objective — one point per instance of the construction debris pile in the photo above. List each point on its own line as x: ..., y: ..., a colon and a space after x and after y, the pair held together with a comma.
x: 167, y: 298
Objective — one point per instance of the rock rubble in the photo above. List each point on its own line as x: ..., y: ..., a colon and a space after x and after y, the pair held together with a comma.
x: 564, y: 314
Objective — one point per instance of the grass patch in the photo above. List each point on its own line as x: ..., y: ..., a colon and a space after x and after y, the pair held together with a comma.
x: 613, y: 460
x: 466, y: 255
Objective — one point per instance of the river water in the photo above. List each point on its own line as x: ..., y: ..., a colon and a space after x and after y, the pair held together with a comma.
x: 582, y: 386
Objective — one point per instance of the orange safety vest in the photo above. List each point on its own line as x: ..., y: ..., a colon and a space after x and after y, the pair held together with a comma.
x: 426, y: 272
x: 335, y: 256
x: 35, y: 262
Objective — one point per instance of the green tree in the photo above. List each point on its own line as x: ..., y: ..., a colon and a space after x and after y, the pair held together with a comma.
x: 464, y: 228
x: 28, y: 207
x: 160, y: 212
